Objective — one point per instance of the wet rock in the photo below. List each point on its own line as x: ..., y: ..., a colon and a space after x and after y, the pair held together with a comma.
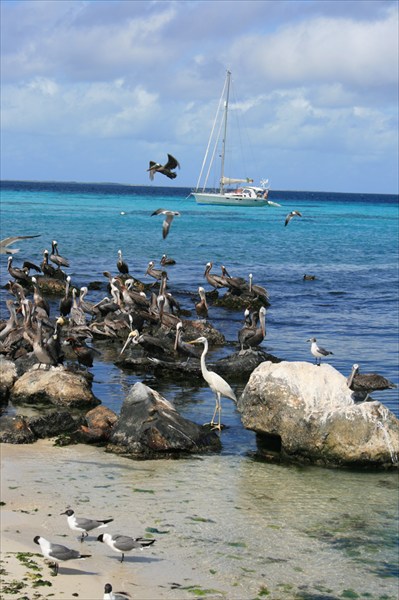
x: 239, y: 365
x: 54, y: 422
x: 98, y: 426
x: 55, y: 386
x: 8, y: 375
x: 306, y: 413
x: 150, y: 427
x: 16, y: 430
x: 52, y: 286
x: 25, y: 363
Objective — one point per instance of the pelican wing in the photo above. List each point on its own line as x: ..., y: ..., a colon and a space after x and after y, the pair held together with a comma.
x: 172, y: 163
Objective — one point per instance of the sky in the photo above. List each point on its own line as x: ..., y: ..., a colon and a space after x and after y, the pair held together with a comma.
x: 92, y: 90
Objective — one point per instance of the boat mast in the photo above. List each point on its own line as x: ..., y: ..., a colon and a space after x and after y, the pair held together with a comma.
x: 226, y: 106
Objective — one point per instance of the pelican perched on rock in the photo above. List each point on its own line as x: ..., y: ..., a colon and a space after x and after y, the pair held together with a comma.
x: 169, y: 216
x: 201, y: 307
x: 17, y: 273
x: 216, y: 281
x: 166, y: 169
x: 251, y: 336
x: 55, y: 257
x: 366, y: 383
x: 317, y: 351
x: 155, y: 273
x: 259, y: 292
x: 218, y: 385
x: 121, y: 264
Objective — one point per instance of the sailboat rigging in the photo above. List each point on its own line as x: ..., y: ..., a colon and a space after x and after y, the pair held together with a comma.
x: 245, y: 195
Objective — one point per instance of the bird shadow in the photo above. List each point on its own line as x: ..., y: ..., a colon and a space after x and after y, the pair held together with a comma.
x: 69, y: 571
x: 137, y: 559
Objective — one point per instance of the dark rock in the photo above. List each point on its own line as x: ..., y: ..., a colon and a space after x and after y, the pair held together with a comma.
x: 150, y: 427
x: 16, y: 430
x: 239, y: 366
x: 54, y: 422
x: 8, y: 375
x: 98, y: 426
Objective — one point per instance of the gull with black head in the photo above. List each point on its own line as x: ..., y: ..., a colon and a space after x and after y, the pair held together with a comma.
x: 83, y: 525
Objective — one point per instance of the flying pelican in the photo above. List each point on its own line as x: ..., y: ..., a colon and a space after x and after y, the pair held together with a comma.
x: 293, y: 213
x: 110, y: 595
x: 166, y: 169
x: 366, y: 383
x: 10, y: 240
x: 57, y: 553
x: 82, y: 525
x: 124, y: 543
x: 317, y: 351
x: 169, y: 216
x: 218, y: 385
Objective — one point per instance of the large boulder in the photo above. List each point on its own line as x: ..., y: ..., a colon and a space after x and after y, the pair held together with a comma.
x: 98, y: 426
x: 54, y: 386
x: 305, y: 412
x: 149, y: 427
x: 16, y: 430
x: 8, y: 374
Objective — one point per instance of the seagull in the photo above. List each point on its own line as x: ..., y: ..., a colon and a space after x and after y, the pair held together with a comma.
x: 10, y: 240
x: 293, y: 213
x: 84, y: 525
x: 367, y: 383
x: 166, y: 169
x: 317, y: 351
x: 124, y: 543
x: 169, y: 216
x: 110, y: 595
x: 57, y: 553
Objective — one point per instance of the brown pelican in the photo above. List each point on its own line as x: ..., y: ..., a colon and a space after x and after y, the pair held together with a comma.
x: 258, y: 291
x: 4, y: 249
x: 169, y: 216
x: 77, y: 315
x: 166, y: 260
x: 121, y: 264
x: 12, y: 322
x: 218, y: 385
x: 42, y: 352
x: 201, y: 307
x: 155, y: 273
x: 47, y: 269
x: 235, y: 284
x: 251, y: 336
x: 166, y: 169
x: 309, y: 277
x: 181, y: 345
x: 55, y: 256
x: 317, y: 351
x: 367, y: 383
x: 19, y: 274
x: 84, y: 354
x: 28, y: 266
x: 216, y: 281
x: 293, y: 213
x: 150, y: 343
x: 38, y: 299
x: 66, y: 301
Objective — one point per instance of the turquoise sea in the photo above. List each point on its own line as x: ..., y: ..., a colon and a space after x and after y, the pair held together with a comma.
x: 348, y: 241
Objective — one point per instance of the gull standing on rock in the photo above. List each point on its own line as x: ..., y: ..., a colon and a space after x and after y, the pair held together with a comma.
x: 317, y: 351
x: 169, y: 216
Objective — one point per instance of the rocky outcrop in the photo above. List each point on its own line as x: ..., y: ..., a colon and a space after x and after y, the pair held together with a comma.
x: 55, y: 386
x: 16, y: 430
x: 150, y: 427
x: 98, y: 426
x: 307, y: 413
x: 8, y: 375
x: 54, y: 422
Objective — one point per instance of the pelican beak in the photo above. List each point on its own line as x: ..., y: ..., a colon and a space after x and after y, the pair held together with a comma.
x: 129, y: 339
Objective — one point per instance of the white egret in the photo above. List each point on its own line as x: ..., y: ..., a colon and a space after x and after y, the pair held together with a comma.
x: 218, y: 385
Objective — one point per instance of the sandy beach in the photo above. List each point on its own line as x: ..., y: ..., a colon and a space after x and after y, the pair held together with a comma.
x: 225, y: 526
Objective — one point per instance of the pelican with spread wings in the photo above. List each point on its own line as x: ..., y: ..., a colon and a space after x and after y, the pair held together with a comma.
x: 166, y: 169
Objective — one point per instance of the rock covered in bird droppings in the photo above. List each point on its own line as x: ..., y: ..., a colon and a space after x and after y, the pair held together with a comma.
x: 56, y: 386
x: 8, y: 375
x: 150, y: 427
x: 308, y: 414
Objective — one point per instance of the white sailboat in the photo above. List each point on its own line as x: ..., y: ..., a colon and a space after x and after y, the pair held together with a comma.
x: 245, y: 194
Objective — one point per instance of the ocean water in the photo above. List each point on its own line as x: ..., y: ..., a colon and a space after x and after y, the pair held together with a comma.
x: 348, y: 241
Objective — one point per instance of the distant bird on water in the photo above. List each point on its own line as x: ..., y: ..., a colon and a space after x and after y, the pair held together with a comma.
x: 4, y: 249
x: 367, y: 383
x: 293, y: 213
x: 110, y: 595
x: 82, y: 525
x: 317, y: 351
x: 169, y: 216
x: 56, y: 552
x: 166, y: 169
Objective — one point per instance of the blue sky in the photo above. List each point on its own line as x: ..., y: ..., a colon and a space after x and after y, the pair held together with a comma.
x: 94, y: 89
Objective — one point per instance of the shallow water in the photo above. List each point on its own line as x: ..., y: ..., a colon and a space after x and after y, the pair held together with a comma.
x: 255, y: 524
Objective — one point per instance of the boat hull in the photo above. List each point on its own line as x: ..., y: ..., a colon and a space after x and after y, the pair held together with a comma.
x: 228, y: 199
